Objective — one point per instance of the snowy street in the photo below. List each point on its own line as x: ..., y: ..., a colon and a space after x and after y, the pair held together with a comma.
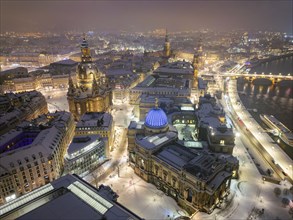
x: 56, y: 99
x: 249, y: 194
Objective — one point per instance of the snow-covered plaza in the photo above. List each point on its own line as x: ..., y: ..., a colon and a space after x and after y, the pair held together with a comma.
x: 249, y: 194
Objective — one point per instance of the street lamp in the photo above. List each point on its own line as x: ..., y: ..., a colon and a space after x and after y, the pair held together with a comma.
x: 118, y: 171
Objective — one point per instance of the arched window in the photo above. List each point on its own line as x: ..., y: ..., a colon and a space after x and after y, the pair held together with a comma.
x: 78, y: 108
x: 189, y: 195
x: 156, y: 170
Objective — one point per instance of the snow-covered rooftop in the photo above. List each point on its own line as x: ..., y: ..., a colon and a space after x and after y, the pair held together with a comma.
x: 80, y: 143
x: 45, y: 141
x: 82, y: 202
x: 209, y: 115
x: 65, y: 62
x: 136, y: 125
x: 178, y: 68
x: 153, y: 141
x: 101, y: 120
x: 175, y: 155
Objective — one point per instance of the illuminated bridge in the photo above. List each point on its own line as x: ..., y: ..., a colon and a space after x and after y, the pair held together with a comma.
x: 237, y: 72
x: 251, y: 77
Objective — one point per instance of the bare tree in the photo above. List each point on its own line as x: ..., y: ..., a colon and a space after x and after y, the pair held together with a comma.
x: 277, y: 191
x: 285, y: 192
x: 285, y: 201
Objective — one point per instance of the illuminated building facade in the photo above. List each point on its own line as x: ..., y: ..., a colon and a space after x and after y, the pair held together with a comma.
x: 122, y: 83
x: 84, y: 154
x: 18, y: 80
x: 169, y: 80
x: 33, y: 154
x: 98, y: 123
x: 6, y: 78
x: 92, y: 92
x: 54, y: 76
x: 212, y: 126
x: 197, y: 180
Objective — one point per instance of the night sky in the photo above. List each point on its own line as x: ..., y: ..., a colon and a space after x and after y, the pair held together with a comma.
x: 144, y: 15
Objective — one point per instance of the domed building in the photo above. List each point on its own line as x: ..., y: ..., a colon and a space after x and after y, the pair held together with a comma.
x: 156, y: 120
x: 196, y: 179
x: 92, y: 92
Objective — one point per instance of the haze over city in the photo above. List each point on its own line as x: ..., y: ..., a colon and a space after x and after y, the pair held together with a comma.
x: 144, y: 15
x: 172, y: 110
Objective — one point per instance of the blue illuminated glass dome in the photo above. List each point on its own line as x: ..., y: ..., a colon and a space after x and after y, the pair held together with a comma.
x: 156, y: 119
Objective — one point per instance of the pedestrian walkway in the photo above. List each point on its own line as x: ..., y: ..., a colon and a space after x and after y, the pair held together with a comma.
x: 141, y: 197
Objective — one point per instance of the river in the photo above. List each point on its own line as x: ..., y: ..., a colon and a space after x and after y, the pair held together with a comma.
x: 268, y: 98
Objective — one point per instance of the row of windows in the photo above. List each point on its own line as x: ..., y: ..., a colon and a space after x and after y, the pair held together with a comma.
x: 9, y: 185
x: 27, y: 159
x: 97, y: 129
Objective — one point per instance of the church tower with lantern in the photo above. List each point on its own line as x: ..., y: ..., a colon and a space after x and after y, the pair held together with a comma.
x: 167, y: 46
x: 91, y: 93
x: 85, y: 51
x: 200, y: 54
x: 195, y: 64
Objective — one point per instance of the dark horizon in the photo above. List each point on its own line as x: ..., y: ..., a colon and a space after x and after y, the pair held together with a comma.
x: 25, y: 15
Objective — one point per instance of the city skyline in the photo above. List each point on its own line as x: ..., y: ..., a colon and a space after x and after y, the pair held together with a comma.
x: 145, y: 15
x: 146, y: 110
